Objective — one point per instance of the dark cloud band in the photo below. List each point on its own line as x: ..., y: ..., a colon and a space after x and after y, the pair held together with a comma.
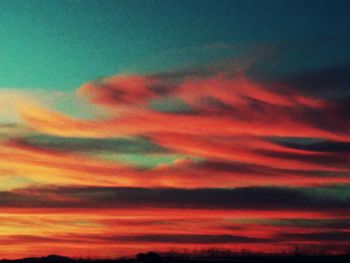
x: 255, y: 198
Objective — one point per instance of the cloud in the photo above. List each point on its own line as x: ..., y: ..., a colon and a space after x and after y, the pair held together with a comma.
x: 47, y: 162
x: 222, y: 105
x: 229, y: 120
x: 188, y: 239
x: 314, y: 145
x: 9, y: 98
x: 323, y: 82
x: 178, y: 158
x: 119, y: 90
x: 334, y: 236
x: 309, y: 223
x: 251, y: 198
x: 156, y: 238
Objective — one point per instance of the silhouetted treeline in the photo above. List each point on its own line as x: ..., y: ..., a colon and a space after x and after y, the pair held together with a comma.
x: 209, y: 256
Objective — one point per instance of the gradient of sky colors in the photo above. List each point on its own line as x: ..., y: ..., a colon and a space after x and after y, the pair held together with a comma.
x: 129, y: 126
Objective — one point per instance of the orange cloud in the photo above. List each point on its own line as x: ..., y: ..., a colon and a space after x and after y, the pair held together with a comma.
x: 231, y: 173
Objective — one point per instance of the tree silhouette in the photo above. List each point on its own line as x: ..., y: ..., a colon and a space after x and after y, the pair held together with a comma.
x: 150, y: 257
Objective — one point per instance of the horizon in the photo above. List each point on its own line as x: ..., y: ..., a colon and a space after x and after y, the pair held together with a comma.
x: 127, y: 125
x: 209, y: 253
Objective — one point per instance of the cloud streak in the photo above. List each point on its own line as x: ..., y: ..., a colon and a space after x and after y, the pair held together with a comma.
x: 249, y: 198
x: 182, y: 159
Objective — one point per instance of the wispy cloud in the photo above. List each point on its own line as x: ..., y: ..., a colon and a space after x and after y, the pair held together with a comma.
x: 201, y: 148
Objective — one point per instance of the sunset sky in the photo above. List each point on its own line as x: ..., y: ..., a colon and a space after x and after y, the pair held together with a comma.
x: 133, y: 125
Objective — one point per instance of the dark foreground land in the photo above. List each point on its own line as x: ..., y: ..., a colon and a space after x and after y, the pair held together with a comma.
x: 186, y: 259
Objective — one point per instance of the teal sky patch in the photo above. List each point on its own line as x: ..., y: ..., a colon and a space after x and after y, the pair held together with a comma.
x: 147, y: 161
x: 60, y: 44
x: 91, y: 145
x: 170, y: 105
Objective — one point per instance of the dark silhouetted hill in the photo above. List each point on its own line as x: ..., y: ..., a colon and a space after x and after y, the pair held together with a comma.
x: 48, y: 259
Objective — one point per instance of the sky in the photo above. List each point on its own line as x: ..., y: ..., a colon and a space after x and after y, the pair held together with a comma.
x: 130, y: 126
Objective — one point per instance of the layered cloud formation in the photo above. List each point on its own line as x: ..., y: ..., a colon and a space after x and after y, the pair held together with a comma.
x: 177, y: 160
